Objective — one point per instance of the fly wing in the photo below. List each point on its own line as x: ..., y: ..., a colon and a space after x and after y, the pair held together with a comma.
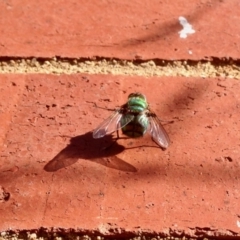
x: 111, y: 124
x: 157, y: 132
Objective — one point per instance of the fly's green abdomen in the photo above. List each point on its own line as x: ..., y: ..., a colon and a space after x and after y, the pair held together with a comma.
x: 137, y: 127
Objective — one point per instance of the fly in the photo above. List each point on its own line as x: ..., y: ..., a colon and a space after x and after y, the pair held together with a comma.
x: 135, y: 119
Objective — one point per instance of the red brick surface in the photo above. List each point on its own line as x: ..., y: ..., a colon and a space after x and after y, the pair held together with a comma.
x: 54, y: 174
x: 119, y: 29
x: 57, y: 175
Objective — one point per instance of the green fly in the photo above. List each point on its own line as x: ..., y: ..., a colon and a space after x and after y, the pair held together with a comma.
x: 135, y: 119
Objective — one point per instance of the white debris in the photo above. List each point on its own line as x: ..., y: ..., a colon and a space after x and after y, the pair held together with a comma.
x: 238, y: 223
x: 33, y: 236
x: 187, y: 27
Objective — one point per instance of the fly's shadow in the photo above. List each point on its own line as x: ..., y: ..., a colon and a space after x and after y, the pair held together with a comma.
x: 85, y: 147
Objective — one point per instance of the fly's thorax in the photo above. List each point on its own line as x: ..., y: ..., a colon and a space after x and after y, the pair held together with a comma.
x: 137, y: 102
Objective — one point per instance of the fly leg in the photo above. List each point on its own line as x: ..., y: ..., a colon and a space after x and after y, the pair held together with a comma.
x: 112, y: 143
x: 95, y: 105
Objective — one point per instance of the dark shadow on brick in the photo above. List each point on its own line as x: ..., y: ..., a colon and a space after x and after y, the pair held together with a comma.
x: 86, y: 147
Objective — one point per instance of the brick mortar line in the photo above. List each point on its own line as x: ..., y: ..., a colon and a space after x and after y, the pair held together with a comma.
x: 61, y: 233
x: 226, y: 68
